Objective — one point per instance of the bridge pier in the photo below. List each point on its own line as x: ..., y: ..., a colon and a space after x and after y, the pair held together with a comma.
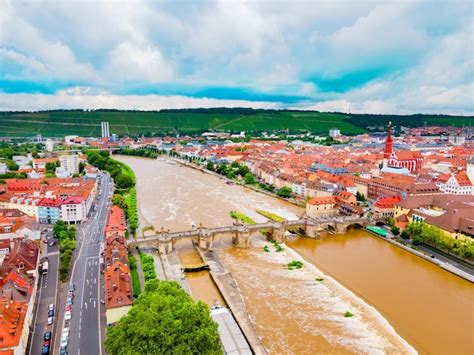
x: 241, y: 238
x: 205, y: 240
x: 165, y: 245
x: 278, y: 234
x: 312, y: 230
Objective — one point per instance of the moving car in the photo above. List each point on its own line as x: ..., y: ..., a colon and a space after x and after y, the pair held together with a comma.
x: 52, y: 243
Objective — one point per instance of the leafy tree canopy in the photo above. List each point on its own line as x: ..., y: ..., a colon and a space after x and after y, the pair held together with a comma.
x: 164, y: 320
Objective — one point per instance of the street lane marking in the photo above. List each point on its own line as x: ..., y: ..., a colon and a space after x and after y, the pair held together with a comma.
x: 85, y: 304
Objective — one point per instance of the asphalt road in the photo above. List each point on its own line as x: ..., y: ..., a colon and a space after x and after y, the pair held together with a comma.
x: 46, y: 295
x: 87, y: 323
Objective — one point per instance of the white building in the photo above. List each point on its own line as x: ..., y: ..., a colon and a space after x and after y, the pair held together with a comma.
x: 70, y: 163
x: 73, y: 210
x: 49, y: 145
x: 334, y: 132
x: 27, y: 205
x: 458, y: 184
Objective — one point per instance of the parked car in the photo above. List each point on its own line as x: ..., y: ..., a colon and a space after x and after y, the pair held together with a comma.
x: 63, y: 342
x: 72, y: 287
x: 45, y: 350
x: 69, y: 300
x: 50, y: 313
x: 51, y: 307
x: 65, y: 332
x: 62, y: 350
x: 50, y: 320
x: 46, y: 342
x: 68, y: 307
x: 47, y: 336
x: 67, y: 315
x: 70, y: 294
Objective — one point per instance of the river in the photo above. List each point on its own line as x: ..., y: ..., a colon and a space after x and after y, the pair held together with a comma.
x: 394, y: 296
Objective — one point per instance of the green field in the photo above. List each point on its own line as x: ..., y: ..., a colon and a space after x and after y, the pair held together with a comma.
x: 85, y: 123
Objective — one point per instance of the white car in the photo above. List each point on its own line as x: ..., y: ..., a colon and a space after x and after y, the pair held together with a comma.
x: 67, y: 315
x: 51, y: 307
x: 65, y: 333
x: 63, y: 342
x: 50, y: 320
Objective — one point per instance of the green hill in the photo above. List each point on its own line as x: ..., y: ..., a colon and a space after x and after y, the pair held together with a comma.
x: 87, y: 123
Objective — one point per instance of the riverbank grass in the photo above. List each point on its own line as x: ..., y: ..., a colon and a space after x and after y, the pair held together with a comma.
x: 271, y: 216
x: 239, y: 216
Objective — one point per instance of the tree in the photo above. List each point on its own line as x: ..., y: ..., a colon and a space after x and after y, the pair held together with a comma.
x: 164, y: 320
x: 395, y: 230
x: 284, y: 192
x: 118, y: 200
x: 250, y: 179
x: 50, y: 167
x: 391, y: 222
x: 210, y: 166
x: 81, y: 167
x: 405, y: 235
x: 123, y: 181
x: 360, y: 197
x: 12, y: 166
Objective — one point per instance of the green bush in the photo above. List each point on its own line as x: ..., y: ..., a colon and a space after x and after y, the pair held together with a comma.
x: 295, y: 264
x: 148, y: 267
x: 348, y: 314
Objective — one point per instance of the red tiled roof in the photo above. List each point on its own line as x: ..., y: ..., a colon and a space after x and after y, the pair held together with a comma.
x: 387, y: 202
x: 325, y: 200
x: 118, y: 286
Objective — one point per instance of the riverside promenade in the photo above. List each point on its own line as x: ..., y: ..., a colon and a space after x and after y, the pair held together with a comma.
x: 229, y: 289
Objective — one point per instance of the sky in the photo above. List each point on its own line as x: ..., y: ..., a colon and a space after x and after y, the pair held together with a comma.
x: 404, y: 56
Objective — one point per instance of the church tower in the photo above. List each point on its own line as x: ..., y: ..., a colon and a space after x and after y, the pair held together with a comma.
x: 388, y: 143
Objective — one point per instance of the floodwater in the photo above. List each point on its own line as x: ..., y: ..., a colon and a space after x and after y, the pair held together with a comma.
x: 393, y: 295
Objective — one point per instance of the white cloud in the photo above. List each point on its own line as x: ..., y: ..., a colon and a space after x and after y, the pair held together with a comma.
x: 131, y: 62
x: 420, y: 53
x: 79, y: 98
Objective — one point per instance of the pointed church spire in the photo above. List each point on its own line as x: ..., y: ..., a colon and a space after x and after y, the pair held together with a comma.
x: 388, y: 143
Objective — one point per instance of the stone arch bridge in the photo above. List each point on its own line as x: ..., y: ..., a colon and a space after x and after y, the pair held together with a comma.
x: 164, y: 240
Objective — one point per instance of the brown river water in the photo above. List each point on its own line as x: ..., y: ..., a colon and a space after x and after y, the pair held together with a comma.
x: 398, y: 300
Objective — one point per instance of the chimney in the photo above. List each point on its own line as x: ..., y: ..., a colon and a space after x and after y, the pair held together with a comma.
x: 114, y: 287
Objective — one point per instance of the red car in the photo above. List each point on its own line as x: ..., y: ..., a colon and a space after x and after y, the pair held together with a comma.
x: 68, y: 307
x: 46, y: 342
